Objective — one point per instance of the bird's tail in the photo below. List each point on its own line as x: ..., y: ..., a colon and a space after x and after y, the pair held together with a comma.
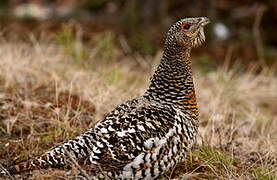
x: 58, y: 157
x: 42, y: 162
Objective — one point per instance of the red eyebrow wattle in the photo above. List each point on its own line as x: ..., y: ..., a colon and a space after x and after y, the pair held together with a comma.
x: 185, y: 24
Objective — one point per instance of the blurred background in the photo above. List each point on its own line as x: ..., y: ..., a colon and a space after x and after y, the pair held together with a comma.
x: 242, y: 31
x: 64, y: 64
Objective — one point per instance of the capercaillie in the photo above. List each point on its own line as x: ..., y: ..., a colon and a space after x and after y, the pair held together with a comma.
x: 146, y: 136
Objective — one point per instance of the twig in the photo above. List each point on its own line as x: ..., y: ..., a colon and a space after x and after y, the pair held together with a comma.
x: 228, y: 58
x: 252, y: 165
x: 257, y: 34
x: 82, y: 171
x: 127, y: 50
x: 6, y: 172
x: 124, y: 44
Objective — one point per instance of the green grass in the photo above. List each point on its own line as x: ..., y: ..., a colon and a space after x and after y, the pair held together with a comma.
x: 71, y: 45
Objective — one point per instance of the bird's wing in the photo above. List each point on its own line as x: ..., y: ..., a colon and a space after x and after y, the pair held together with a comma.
x: 131, y: 130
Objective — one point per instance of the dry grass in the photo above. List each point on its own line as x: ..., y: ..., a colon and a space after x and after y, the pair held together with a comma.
x: 47, y: 97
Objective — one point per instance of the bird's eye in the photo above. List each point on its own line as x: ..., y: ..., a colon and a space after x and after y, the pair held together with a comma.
x: 186, y: 26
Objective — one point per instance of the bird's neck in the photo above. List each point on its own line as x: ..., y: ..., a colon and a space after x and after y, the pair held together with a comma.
x: 172, y: 82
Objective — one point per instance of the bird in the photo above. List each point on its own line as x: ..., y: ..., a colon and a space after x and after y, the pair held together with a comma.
x: 147, y: 136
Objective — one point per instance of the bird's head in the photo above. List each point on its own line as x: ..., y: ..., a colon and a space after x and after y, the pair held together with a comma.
x: 188, y: 32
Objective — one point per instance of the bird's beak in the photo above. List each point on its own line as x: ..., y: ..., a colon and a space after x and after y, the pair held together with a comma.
x: 204, y: 21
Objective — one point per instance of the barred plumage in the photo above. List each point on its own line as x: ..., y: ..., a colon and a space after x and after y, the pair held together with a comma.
x: 146, y: 136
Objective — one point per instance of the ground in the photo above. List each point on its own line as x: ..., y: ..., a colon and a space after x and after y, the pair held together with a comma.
x: 49, y: 93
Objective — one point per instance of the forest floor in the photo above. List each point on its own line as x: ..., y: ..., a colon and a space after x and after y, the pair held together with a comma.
x: 50, y: 93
